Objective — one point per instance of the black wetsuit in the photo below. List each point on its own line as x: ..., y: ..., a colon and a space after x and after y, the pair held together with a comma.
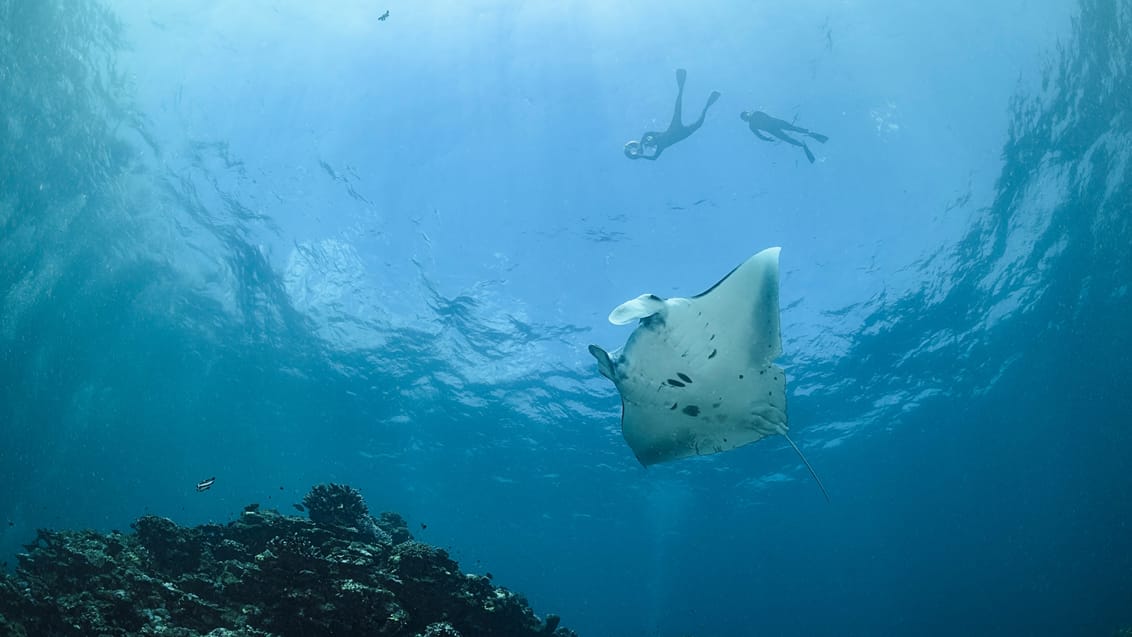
x: 760, y: 121
x: 653, y: 143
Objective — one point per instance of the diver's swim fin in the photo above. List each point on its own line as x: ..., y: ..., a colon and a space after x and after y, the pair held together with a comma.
x: 712, y: 98
x: 809, y: 155
x: 818, y: 136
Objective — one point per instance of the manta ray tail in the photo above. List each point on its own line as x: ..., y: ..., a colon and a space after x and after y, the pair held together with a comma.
x: 807, y: 463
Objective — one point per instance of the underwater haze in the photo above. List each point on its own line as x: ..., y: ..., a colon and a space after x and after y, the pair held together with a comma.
x: 286, y: 243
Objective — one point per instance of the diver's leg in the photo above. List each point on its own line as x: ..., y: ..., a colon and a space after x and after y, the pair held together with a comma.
x: 804, y: 131
x: 784, y: 137
x: 712, y: 99
x: 793, y: 142
x: 677, y: 112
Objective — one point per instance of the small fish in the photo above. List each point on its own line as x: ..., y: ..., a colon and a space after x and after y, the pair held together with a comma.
x: 383, y: 16
x: 205, y: 485
x: 300, y: 508
x: 423, y: 526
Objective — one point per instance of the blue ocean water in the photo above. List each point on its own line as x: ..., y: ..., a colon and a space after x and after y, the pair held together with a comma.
x: 287, y: 243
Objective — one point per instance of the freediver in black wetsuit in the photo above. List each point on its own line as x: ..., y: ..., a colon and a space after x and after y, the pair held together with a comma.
x: 653, y: 143
x: 760, y: 121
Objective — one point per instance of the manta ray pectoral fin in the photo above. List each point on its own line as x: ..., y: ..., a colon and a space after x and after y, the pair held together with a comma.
x: 641, y: 307
x: 746, y: 300
x: 604, y: 363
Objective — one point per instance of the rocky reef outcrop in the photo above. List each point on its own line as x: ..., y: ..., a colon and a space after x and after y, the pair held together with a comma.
x: 341, y: 572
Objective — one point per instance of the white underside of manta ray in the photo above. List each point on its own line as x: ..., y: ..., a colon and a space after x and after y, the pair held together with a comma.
x: 697, y: 376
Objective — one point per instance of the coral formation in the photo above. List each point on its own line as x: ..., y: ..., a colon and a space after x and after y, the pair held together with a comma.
x: 342, y: 572
x: 336, y: 504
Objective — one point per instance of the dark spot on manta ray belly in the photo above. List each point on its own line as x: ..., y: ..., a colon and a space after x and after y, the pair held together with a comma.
x: 673, y: 406
x: 674, y: 383
x: 713, y: 353
x: 691, y: 410
x: 684, y: 377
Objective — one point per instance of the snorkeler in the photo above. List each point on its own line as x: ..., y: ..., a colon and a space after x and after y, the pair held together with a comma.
x: 760, y: 121
x: 653, y: 143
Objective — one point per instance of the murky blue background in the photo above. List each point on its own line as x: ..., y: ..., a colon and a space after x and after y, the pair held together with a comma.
x: 284, y: 243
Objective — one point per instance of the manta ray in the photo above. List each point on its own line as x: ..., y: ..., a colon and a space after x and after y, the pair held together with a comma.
x: 697, y: 376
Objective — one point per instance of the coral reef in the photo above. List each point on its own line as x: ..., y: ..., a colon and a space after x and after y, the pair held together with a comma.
x: 343, y: 572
